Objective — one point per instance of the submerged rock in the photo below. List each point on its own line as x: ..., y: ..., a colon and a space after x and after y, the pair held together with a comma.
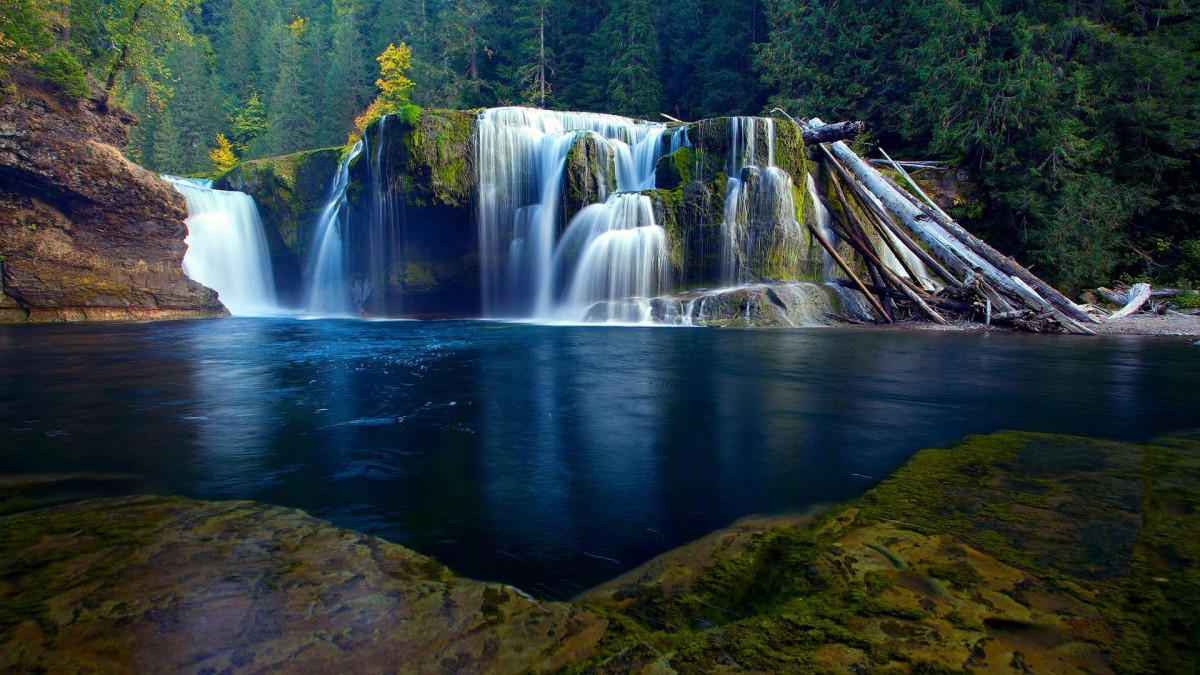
x: 85, y: 234
x: 161, y: 585
x: 1015, y: 551
x: 779, y: 304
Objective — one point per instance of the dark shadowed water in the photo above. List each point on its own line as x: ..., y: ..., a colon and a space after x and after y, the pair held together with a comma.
x: 545, y: 456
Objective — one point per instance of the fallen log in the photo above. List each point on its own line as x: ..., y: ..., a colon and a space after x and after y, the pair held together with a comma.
x: 833, y: 132
x: 841, y: 262
x: 997, y: 259
x: 1005, y: 317
x: 832, y: 177
x: 914, y: 164
x: 951, y: 251
x: 1113, y: 297
x: 1138, y: 295
x: 1171, y: 292
x: 881, y: 220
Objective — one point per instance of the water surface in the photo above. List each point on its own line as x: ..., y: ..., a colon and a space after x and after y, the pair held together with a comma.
x: 550, y: 457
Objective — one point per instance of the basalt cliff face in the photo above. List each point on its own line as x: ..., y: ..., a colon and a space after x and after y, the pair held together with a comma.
x: 85, y: 234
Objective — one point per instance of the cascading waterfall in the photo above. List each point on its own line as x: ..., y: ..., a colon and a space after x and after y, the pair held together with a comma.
x: 351, y: 260
x: 610, y: 261
x: 329, y: 287
x: 622, y: 260
x: 742, y: 164
x: 609, y: 252
x: 227, y: 247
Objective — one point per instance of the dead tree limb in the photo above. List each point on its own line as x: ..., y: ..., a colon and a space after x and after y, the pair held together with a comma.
x: 1138, y: 295
x: 833, y: 132
x: 841, y: 262
x: 996, y: 258
x: 947, y: 248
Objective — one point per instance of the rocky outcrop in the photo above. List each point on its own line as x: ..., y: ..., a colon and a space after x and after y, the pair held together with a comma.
x: 167, y: 585
x: 589, y: 176
x: 86, y: 234
x: 691, y: 204
x: 1013, y: 552
x: 780, y: 304
x: 412, y: 201
x: 418, y: 175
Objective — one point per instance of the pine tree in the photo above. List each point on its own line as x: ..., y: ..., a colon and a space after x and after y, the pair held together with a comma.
x: 631, y: 60
x: 290, y: 109
x: 348, y: 90
x: 534, y: 59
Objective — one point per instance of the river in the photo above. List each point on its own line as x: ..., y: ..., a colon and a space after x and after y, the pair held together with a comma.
x: 549, y: 457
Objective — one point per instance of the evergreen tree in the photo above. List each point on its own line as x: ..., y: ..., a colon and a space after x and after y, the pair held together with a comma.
x: 534, y: 64
x: 290, y: 108
x: 348, y: 91
x: 630, y: 59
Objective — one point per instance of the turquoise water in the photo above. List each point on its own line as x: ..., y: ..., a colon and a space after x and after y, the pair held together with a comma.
x: 550, y: 457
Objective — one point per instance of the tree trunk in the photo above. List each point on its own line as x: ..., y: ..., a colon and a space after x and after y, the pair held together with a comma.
x: 1138, y: 295
x: 997, y: 259
x: 949, y: 250
x: 833, y: 132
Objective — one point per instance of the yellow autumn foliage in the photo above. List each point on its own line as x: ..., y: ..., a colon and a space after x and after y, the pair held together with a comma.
x: 223, y: 157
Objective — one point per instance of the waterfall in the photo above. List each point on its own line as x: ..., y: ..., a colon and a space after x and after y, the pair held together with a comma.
x: 622, y: 258
x: 742, y: 164
x: 329, y: 288
x: 825, y: 225
x: 608, y: 252
x: 227, y: 247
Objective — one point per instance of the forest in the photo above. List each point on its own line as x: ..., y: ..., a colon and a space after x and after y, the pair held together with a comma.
x: 1077, y: 120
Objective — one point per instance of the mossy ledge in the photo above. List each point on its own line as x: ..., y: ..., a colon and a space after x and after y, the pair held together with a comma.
x: 1014, y: 551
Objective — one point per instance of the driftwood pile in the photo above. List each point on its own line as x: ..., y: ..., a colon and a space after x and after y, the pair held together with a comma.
x: 1139, y: 298
x: 967, y: 279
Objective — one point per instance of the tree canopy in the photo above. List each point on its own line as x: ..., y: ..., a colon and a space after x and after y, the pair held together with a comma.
x: 1078, y: 121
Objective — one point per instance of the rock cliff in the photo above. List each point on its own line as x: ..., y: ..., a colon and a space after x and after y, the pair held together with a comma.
x: 85, y: 234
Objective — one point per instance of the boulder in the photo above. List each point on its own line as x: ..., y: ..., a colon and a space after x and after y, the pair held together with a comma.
x: 85, y: 234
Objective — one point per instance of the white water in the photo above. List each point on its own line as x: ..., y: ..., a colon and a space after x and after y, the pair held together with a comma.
x: 329, y: 287
x: 610, y: 251
x: 623, y: 255
x: 227, y: 247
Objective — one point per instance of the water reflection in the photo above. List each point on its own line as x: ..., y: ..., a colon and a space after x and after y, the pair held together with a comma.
x: 548, y: 457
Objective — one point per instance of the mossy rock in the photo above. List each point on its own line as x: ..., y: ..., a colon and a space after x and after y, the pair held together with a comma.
x: 431, y: 155
x: 290, y: 192
x: 589, y: 175
x: 1011, y: 551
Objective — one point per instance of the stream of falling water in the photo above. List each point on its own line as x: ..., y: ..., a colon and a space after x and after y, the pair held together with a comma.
x: 227, y: 247
x: 613, y: 250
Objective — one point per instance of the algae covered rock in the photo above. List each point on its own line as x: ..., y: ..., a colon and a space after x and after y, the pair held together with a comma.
x: 413, y: 190
x: 1015, y: 552
x: 589, y: 176
x: 159, y: 585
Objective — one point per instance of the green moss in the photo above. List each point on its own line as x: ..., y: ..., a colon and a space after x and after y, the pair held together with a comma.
x: 290, y: 192
x: 418, y: 277
x: 107, y: 532
x: 434, y: 153
x: 684, y: 159
x: 409, y: 114
x: 669, y: 214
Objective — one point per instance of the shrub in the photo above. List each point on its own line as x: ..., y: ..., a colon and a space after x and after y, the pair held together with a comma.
x: 63, y: 69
